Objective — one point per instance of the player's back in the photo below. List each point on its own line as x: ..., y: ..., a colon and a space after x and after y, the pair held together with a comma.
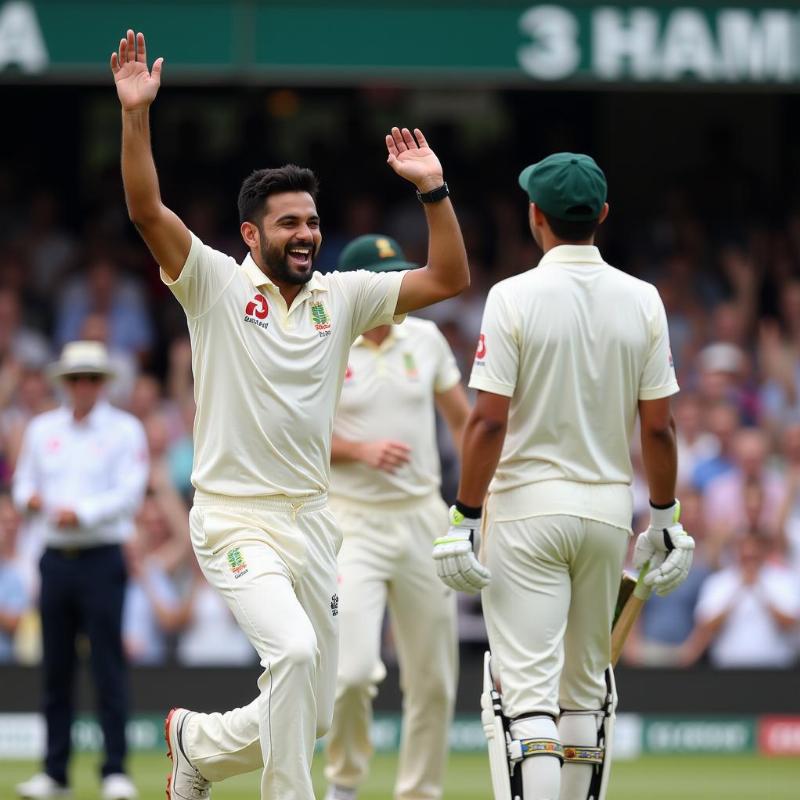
x: 589, y: 342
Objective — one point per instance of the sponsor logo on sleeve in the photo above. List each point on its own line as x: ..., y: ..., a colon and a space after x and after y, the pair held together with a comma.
x: 480, y: 352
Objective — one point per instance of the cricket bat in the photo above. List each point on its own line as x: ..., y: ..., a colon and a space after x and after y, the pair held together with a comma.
x: 633, y: 594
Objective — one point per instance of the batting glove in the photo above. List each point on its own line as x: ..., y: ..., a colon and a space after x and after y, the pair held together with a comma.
x: 456, y: 563
x: 665, y: 549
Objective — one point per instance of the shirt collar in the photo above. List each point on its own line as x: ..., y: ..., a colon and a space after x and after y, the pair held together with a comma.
x: 572, y: 254
x: 94, y: 418
x: 260, y: 280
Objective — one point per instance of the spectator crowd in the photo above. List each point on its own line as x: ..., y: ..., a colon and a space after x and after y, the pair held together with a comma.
x: 733, y: 304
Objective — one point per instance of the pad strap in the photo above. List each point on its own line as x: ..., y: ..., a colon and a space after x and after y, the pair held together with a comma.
x: 525, y: 748
x: 579, y: 754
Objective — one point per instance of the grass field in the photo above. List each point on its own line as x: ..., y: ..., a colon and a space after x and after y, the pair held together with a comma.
x: 649, y: 778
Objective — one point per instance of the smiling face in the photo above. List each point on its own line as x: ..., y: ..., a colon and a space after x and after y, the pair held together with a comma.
x: 288, y: 238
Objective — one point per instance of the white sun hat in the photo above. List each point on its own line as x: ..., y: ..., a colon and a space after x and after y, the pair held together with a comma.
x: 82, y: 358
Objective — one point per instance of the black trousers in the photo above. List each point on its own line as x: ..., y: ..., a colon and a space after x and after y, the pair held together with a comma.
x: 83, y: 592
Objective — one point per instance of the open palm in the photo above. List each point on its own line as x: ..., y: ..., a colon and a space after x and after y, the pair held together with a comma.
x: 136, y: 85
x: 411, y: 158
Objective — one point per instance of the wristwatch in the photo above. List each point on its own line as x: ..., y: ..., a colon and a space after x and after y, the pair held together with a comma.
x: 435, y: 195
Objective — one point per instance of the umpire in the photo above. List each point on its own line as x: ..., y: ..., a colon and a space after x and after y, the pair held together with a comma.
x: 80, y: 478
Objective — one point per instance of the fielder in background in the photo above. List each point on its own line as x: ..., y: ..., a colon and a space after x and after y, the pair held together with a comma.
x: 385, y: 494
x: 80, y: 480
x: 569, y: 351
x: 270, y: 342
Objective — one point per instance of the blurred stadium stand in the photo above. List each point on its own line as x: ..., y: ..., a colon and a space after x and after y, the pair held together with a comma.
x: 696, y: 128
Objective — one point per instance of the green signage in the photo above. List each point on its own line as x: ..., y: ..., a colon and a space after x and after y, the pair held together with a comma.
x: 697, y: 735
x: 505, y: 41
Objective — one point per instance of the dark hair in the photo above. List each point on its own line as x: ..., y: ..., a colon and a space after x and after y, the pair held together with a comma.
x: 261, y: 183
x: 572, y: 230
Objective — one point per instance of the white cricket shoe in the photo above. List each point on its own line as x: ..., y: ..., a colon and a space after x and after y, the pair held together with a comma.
x: 340, y: 793
x: 118, y: 786
x: 185, y: 782
x: 42, y: 787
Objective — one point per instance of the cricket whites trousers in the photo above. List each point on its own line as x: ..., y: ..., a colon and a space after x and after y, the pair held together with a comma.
x: 549, y: 609
x: 273, y: 559
x: 386, y: 557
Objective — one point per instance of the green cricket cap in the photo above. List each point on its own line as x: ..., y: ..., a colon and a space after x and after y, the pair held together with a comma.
x: 568, y: 186
x: 374, y: 252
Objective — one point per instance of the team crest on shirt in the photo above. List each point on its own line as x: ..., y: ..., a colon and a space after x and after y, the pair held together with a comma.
x: 236, y: 562
x: 321, y: 319
x: 410, y: 365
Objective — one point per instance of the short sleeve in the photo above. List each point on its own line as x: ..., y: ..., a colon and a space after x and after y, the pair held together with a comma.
x: 496, y: 365
x: 658, y: 376
x: 203, y: 279
x: 374, y: 297
x: 447, y: 371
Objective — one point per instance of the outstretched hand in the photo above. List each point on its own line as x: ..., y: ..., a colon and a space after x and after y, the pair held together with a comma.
x: 136, y: 85
x: 412, y: 158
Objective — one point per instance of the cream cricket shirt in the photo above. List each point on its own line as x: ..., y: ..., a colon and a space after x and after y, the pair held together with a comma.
x: 388, y: 393
x: 575, y: 344
x: 266, y: 377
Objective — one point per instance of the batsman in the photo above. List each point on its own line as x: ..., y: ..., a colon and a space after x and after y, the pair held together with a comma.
x: 569, y: 353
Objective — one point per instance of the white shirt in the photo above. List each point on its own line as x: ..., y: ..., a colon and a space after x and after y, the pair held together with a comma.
x: 388, y: 393
x: 749, y: 636
x: 267, y: 378
x: 575, y: 344
x: 97, y: 467
x: 213, y: 638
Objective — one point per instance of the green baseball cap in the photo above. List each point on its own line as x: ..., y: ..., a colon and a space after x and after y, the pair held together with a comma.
x: 568, y: 186
x: 375, y: 252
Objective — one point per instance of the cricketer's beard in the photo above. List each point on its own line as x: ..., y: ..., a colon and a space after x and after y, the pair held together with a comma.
x: 274, y: 259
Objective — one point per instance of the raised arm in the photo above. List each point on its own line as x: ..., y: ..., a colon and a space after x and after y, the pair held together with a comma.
x: 162, y: 230
x: 447, y: 271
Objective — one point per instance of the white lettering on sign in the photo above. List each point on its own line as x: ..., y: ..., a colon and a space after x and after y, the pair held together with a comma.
x: 688, y: 46
x: 757, y: 48
x: 21, y: 40
x: 649, y: 44
x: 625, y: 43
x: 554, y: 52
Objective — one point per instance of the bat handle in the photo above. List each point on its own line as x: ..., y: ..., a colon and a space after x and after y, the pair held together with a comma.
x: 642, y: 590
